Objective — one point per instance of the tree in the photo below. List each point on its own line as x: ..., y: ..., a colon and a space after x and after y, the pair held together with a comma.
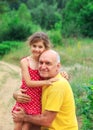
x: 3, y: 7
x: 79, y: 20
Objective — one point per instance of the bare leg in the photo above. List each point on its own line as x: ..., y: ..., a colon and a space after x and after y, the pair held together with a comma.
x: 26, y: 126
x: 18, y: 125
x: 35, y: 127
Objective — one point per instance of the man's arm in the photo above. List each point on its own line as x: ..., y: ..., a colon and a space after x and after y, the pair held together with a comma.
x: 44, y: 119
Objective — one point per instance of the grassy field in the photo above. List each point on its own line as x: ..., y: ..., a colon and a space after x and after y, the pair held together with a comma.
x: 77, y: 59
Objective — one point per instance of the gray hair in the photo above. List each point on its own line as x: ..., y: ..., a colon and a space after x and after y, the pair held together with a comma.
x: 58, y: 58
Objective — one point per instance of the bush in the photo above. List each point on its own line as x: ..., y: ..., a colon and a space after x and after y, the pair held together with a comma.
x: 87, y: 108
x: 17, y: 32
x: 86, y: 19
x: 6, y: 46
x: 4, y: 49
x: 55, y: 37
x: 46, y: 15
x: 16, y: 25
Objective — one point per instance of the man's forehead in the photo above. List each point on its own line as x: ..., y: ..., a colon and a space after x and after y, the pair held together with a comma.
x: 44, y: 58
x: 48, y: 55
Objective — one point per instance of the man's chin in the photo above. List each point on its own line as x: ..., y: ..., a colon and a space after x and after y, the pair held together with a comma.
x: 44, y: 76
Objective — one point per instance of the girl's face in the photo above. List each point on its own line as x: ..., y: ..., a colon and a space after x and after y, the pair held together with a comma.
x: 37, y: 48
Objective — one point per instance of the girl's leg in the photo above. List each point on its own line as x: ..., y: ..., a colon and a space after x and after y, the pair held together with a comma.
x: 18, y: 125
x: 35, y: 127
x: 26, y: 126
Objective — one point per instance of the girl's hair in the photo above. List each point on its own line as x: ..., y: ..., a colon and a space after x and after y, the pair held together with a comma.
x: 39, y: 36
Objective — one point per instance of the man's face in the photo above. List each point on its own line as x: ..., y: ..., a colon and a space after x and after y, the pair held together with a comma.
x: 48, y: 66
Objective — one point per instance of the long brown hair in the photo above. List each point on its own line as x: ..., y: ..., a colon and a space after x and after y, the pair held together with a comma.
x: 40, y: 36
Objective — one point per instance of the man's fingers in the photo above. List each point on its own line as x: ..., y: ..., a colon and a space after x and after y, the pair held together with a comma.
x: 19, y: 109
x: 23, y: 90
x: 23, y: 98
x: 18, y: 114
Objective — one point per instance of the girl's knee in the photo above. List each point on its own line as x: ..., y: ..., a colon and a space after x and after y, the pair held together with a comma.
x: 26, y: 126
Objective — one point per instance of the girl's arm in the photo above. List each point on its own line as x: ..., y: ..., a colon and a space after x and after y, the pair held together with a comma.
x: 26, y: 76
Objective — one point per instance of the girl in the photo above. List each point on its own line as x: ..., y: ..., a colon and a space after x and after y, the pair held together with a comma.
x: 31, y: 80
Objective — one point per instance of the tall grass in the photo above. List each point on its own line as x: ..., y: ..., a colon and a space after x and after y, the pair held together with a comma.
x: 15, y: 55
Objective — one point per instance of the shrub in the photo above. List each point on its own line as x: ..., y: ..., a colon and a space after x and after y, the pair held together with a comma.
x: 17, y: 32
x: 6, y: 46
x: 16, y: 25
x: 88, y: 107
x: 4, y: 49
x: 55, y: 37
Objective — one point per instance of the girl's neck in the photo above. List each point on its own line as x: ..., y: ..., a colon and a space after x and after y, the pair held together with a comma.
x: 35, y: 59
x: 33, y: 62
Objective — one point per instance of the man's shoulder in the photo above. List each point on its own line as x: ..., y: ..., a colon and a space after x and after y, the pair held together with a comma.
x: 61, y: 82
x: 60, y: 79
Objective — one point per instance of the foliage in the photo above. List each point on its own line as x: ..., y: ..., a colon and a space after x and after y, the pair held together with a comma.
x: 55, y: 37
x: 3, y: 6
x: 69, y: 20
x: 7, y: 46
x: 48, y: 18
x: 74, y: 16
x: 88, y: 108
x: 16, y: 25
x: 79, y: 18
x: 85, y: 104
x: 4, y: 49
x: 86, y: 18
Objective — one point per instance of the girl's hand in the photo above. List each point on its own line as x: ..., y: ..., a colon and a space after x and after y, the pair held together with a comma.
x: 50, y: 81
x: 65, y: 75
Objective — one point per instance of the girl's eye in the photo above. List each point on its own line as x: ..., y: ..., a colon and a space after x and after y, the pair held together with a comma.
x: 40, y: 47
x: 34, y: 45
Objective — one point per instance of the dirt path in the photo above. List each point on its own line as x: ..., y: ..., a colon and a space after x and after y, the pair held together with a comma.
x: 9, y: 82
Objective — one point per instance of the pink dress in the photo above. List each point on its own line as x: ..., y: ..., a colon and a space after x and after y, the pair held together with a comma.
x: 34, y: 106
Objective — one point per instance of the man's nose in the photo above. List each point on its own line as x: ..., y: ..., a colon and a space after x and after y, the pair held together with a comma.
x: 43, y: 65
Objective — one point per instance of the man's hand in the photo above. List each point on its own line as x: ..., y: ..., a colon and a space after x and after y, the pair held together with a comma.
x: 21, y: 97
x: 18, y: 116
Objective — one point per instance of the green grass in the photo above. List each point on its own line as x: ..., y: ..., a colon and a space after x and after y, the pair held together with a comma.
x: 15, y: 55
x: 79, y: 51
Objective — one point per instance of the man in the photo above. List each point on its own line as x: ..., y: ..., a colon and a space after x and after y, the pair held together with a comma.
x: 58, y: 107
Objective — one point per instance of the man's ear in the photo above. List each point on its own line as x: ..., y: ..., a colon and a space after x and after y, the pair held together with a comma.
x: 59, y: 65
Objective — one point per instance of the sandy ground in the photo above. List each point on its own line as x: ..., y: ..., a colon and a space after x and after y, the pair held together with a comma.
x: 9, y: 82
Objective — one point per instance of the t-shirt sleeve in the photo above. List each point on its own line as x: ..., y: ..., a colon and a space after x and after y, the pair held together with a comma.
x: 54, y: 99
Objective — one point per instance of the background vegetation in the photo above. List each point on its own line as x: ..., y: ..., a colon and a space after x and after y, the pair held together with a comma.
x: 69, y: 24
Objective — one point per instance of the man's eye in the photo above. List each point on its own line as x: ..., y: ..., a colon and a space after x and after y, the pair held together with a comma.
x: 40, y: 63
x: 48, y: 63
